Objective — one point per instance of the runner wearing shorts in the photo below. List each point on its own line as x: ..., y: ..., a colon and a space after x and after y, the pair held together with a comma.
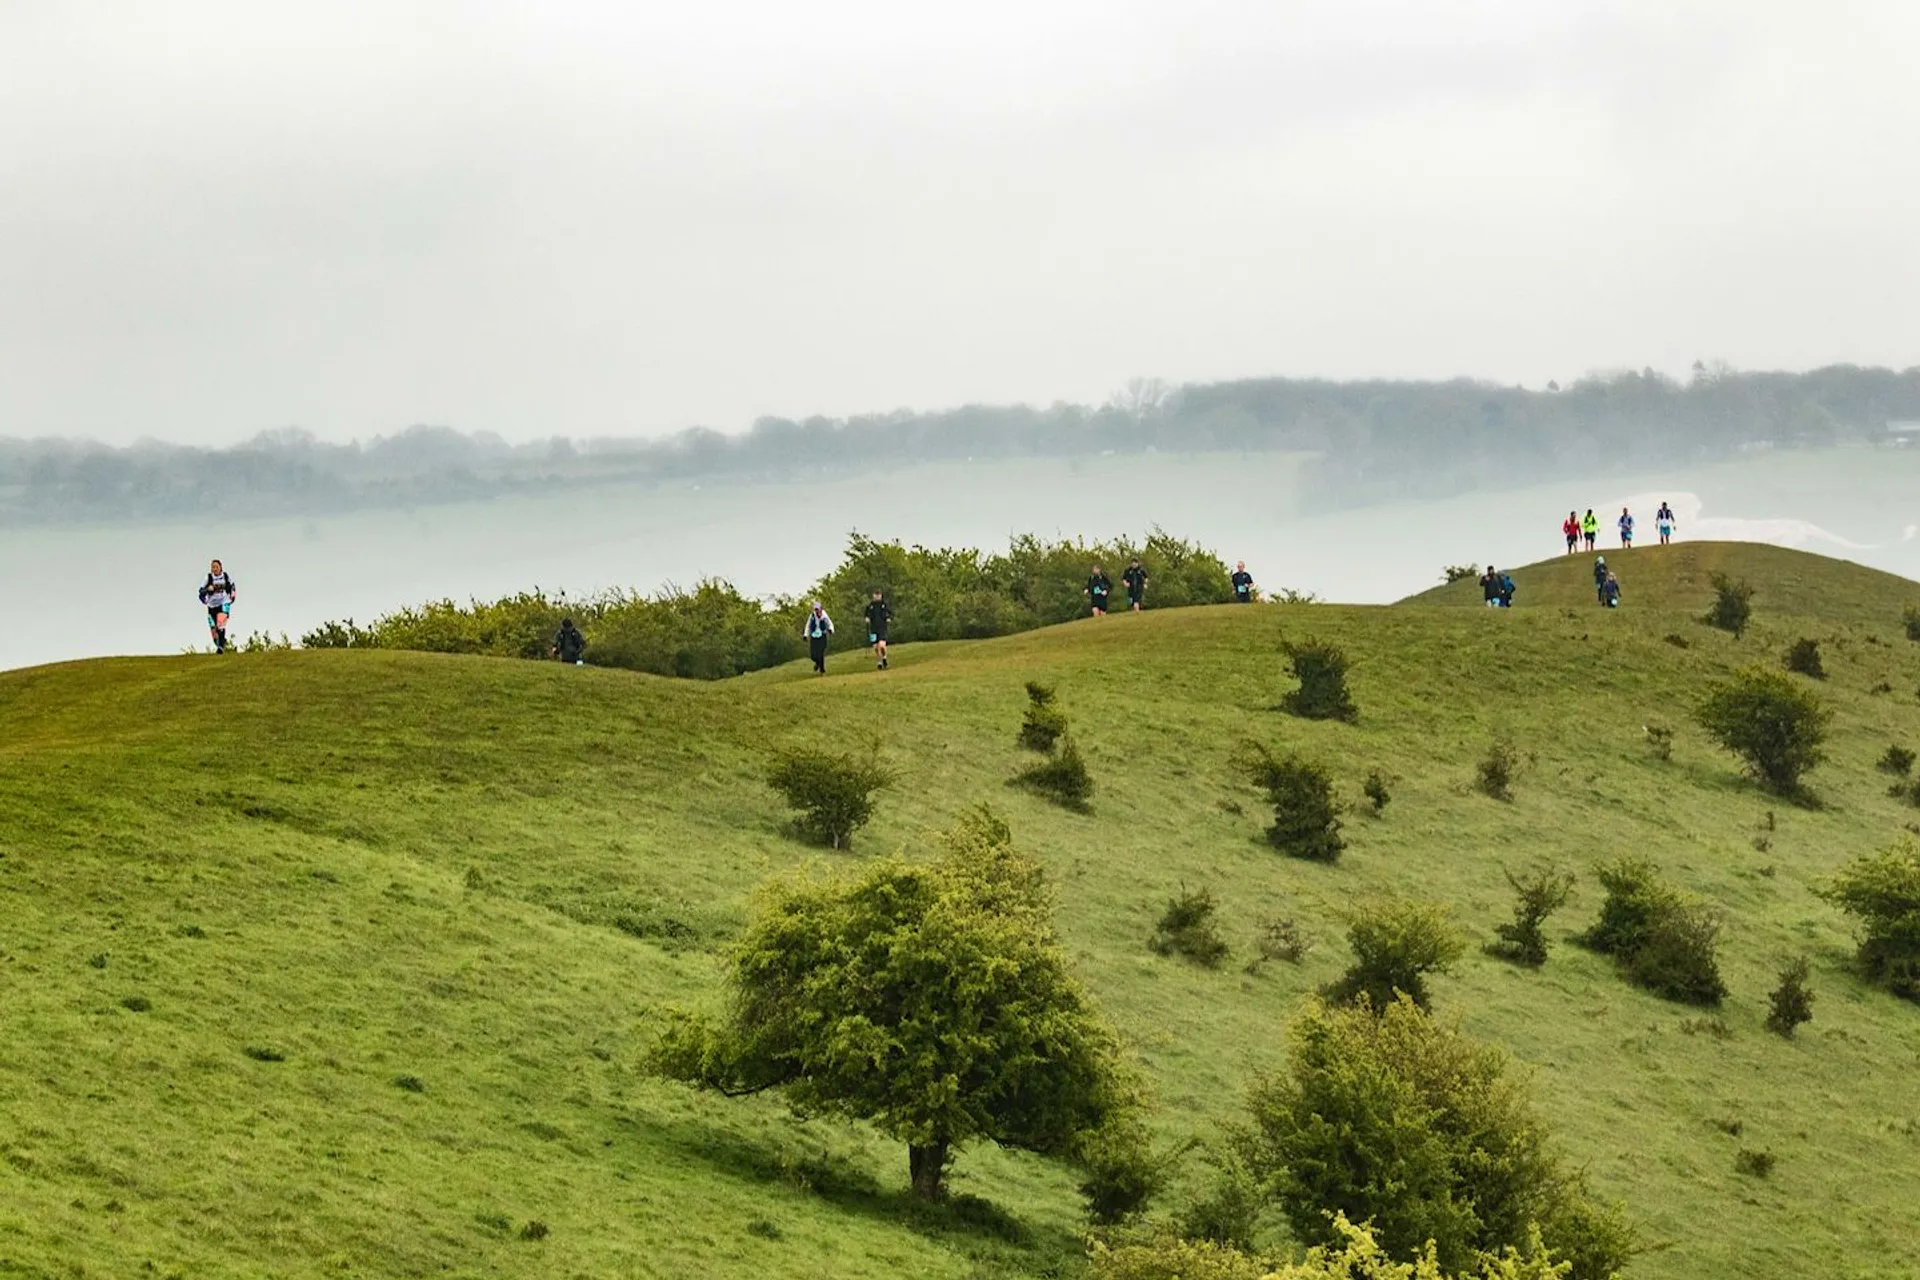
x: 217, y: 593
x: 1099, y: 587
x: 878, y: 616
x: 1136, y: 579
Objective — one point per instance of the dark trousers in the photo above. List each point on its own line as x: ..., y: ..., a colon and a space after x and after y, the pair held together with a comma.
x: 817, y: 647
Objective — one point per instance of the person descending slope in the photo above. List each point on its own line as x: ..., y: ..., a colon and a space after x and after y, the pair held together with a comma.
x: 1242, y: 584
x: 1663, y: 523
x: 1600, y: 573
x: 1571, y: 527
x: 1626, y: 529
x: 1610, y: 592
x: 1590, y: 528
x: 878, y: 616
x: 1099, y: 587
x: 569, y: 644
x: 1492, y: 589
x: 217, y: 593
x: 1136, y: 579
x: 816, y: 629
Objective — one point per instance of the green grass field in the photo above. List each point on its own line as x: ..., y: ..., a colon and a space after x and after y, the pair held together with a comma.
x: 340, y: 963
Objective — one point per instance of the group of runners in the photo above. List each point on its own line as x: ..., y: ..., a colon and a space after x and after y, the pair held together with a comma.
x: 1578, y: 528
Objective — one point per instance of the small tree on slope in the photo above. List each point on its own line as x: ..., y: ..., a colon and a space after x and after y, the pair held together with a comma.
x: 1773, y: 724
x: 931, y: 999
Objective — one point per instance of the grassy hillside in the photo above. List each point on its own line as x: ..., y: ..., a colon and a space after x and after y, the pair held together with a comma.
x: 1679, y: 577
x: 338, y: 963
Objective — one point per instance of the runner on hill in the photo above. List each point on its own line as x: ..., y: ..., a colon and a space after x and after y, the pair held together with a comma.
x: 1136, y: 579
x: 1626, y: 529
x: 1663, y: 523
x: 1492, y: 589
x: 878, y: 616
x: 1242, y: 584
x: 1571, y: 527
x: 1600, y: 573
x: 816, y: 629
x: 1099, y: 587
x: 217, y: 593
x: 1590, y: 528
x: 569, y: 644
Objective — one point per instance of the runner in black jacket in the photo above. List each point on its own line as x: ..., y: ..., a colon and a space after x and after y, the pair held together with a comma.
x: 1242, y: 584
x: 569, y: 644
x: 1099, y: 587
x: 878, y: 616
x: 1136, y: 579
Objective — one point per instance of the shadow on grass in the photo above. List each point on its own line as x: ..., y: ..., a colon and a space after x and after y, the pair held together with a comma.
x: 971, y: 1224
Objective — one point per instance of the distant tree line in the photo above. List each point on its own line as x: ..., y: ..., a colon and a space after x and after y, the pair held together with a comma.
x: 712, y: 631
x: 1374, y: 441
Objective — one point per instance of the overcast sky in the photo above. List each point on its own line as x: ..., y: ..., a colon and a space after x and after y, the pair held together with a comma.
x: 218, y: 216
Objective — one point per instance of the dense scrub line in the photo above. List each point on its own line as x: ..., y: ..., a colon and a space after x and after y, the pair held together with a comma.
x: 712, y: 631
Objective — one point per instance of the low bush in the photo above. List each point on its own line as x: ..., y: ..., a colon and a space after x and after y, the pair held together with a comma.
x: 1459, y: 572
x: 136, y: 1004
x: 1227, y: 1210
x: 1321, y: 668
x: 832, y: 793
x: 1061, y: 778
x: 1754, y: 1164
x: 1881, y: 891
x: 1187, y: 929
x: 1896, y: 760
x: 1400, y: 1119
x: 1663, y: 941
x: 1659, y: 741
x: 1375, y: 790
x: 535, y: 1230
x: 1732, y: 607
x: 1910, y: 619
x: 1119, y: 1173
x: 1803, y: 658
x: 1791, y: 1002
x: 1495, y: 773
x: 1281, y: 940
x: 1397, y: 944
x: 1776, y: 726
x: 1306, y: 818
x: 1536, y: 896
x: 1044, y: 723
x: 262, y: 1053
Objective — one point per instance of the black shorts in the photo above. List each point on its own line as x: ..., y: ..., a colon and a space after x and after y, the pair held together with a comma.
x: 1133, y: 597
x: 1099, y: 602
x: 877, y: 635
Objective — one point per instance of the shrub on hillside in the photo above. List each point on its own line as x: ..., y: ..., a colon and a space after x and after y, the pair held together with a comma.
x: 1803, y: 658
x: 1536, y: 896
x: 1459, y: 573
x: 1774, y: 725
x: 1375, y: 790
x: 1321, y: 668
x: 1896, y: 760
x: 832, y: 793
x: 1791, y: 1002
x: 1396, y: 944
x: 1187, y: 929
x: 337, y: 635
x: 1732, y: 607
x: 1044, y: 722
x: 1881, y: 891
x: 1399, y: 1119
x: 1227, y: 1210
x: 1353, y: 1253
x: 1280, y: 939
x: 1664, y: 941
x: 1494, y: 775
x: 1061, y: 778
x: 1306, y: 818
x: 933, y: 999
x: 1119, y: 1172
x: 1910, y: 617
x: 1659, y: 740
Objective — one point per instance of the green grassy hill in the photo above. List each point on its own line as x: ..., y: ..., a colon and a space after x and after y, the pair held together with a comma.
x: 1679, y: 577
x: 339, y: 963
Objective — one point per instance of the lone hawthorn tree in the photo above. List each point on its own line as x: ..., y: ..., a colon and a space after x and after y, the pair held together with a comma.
x: 932, y: 999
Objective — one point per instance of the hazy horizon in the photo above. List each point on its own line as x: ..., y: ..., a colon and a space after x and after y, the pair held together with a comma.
x: 603, y: 220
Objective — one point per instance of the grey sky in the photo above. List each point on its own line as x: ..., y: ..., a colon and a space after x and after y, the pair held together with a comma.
x: 609, y: 218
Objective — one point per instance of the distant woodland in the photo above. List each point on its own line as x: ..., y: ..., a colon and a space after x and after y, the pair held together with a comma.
x: 1372, y: 441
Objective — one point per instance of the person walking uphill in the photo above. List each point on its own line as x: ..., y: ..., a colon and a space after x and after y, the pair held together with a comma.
x: 1136, y: 579
x: 878, y: 616
x: 1493, y: 589
x: 1590, y: 528
x: 1571, y: 528
x: 1242, y: 584
x: 1099, y: 587
x: 816, y: 629
x: 1663, y: 523
x: 569, y: 644
x: 217, y: 593
x: 1626, y: 529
